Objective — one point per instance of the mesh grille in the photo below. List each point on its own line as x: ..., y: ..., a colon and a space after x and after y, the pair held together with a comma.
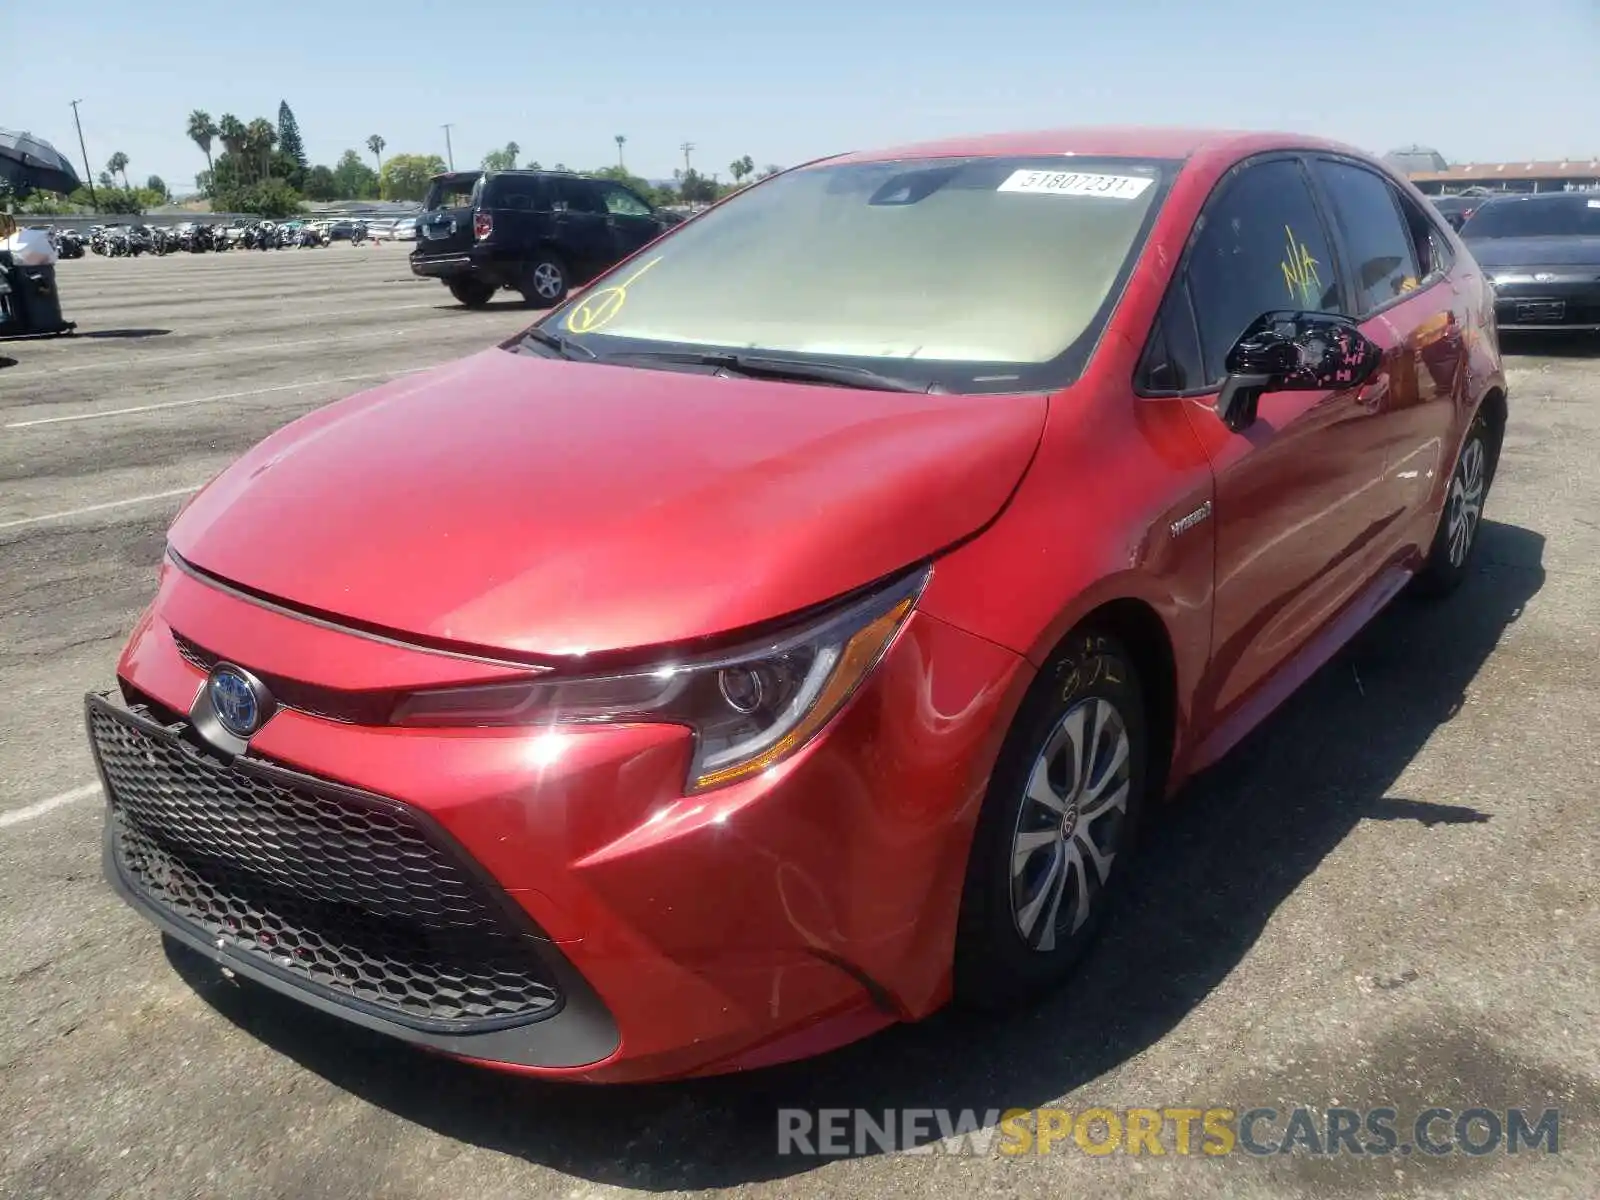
x: 356, y: 897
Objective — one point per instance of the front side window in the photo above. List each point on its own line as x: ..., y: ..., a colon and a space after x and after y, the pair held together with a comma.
x: 1382, y: 257
x: 1260, y: 247
x: 975, y: 274
x: 579, y: 196
x: 620, y: 202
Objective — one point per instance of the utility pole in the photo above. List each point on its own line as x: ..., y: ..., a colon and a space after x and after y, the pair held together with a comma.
x: 449, y: 153
x: 620, y: 164
x: 687, y: 147
x: 88, y: 175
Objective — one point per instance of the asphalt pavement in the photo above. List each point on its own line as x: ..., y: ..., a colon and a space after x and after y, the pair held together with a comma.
x: 1387, y: 896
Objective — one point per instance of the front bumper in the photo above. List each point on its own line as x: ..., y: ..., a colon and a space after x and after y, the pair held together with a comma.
x: 760, y: 922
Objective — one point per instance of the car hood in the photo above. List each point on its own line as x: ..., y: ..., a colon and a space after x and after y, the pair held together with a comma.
x: 551, y: 508
x: 1535, y: 251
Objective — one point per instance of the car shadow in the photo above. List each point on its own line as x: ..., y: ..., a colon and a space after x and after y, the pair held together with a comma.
x: 1215, y: 867
x: 124, y: 333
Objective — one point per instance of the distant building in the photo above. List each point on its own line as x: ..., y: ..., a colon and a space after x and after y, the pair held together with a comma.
x: 1569, y: 175
x: 1411, y: 159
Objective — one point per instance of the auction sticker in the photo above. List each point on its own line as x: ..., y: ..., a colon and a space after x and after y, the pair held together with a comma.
x: 1076, y: 183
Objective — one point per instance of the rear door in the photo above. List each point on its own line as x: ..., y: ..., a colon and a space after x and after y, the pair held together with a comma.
x: 582, y: 225
x: 1298, y: 492
x: 633, y: 222
x: 1405, y: 302
x: 445, y: 226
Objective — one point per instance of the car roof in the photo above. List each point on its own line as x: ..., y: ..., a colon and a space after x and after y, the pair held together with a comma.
x: 1109, y: 141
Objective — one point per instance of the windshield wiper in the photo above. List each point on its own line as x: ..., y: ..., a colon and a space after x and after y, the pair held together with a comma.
x: 565, y: 347
x: 760, y: 366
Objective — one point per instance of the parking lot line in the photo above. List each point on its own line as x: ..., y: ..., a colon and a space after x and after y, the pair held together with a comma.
x: 282, y: 387
x: 93, y: 508
x: 18, y: 815
x: 154, y: 359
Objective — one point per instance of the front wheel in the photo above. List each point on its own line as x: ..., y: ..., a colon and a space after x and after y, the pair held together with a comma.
x: 1457, y: 534
x: 1056, y: 828
x: 474, y: 293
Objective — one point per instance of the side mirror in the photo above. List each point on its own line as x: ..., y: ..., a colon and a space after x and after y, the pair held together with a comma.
x: 1293, y: 352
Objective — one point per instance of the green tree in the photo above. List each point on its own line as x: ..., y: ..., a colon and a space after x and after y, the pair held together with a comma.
x: 769, y: 171
x: 289, y: 135
x: 353, y: 179
x: 634, y: 183
x: 273, y: 198
x: 695, y: 188
x: 741, y: 167
x: 260, y: 137
x: 118, y: 165
x: 201, y: 130
x: 231, y: 132
x: 406, y: 176
x: 159, y: 186
x: 502, y: 160
x: 321, y: 184
x: 376, y: 145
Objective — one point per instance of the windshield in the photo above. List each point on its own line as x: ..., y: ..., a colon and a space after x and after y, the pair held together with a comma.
x: 1574, y: 216
x: 972, y: 274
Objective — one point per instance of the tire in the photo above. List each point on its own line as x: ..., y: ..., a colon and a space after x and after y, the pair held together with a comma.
x: 1050, y: 816
x: 544, y: 280
x: 1450, y: 555
x: 474, y: 293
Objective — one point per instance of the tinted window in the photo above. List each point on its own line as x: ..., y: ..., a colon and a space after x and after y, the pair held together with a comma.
x: 621, y: 202
x: 1381, y: 255
x: 1172, y: 359
x: 579, y: 195
x: 1559, y: 216
x: 515, y: 191
x: 1260, y: 247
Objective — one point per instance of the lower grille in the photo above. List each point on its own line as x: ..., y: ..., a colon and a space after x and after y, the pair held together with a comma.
x: 349, y: 894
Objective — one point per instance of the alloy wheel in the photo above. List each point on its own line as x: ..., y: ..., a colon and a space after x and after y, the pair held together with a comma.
x: 1466, y: 501
x: 547, y: 281
x: 1069, y: 823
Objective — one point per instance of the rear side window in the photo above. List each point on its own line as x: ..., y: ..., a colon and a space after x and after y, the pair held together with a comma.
x: 516, y: 192
x: 1382, y: 258
x: 1260, y: 247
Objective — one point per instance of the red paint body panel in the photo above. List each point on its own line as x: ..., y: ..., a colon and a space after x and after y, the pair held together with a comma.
x: 541, y: 509
x: 589, y: 508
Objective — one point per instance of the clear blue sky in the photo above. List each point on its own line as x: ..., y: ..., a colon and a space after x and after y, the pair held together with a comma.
x: 1477, y: 79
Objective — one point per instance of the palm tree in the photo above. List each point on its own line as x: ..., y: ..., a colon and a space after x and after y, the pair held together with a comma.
x: 376, y: 145
x: 740, y: 167
x: 118, y: 165
x: 201, y: 130
x: 232, y: 132
x: 621, y: 138
x: 262, y: 136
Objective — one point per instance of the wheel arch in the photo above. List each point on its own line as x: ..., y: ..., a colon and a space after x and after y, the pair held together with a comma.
x: 1138, y: 626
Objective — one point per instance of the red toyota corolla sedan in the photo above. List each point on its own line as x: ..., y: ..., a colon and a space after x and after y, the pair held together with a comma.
x: 785, y: 636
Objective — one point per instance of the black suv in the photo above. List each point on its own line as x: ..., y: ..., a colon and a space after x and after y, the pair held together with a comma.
x: 536, y: 232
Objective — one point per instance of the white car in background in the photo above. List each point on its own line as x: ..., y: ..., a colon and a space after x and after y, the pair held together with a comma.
x: 405, y: 230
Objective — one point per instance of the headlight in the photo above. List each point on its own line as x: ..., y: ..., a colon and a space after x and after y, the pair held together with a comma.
x: 750, y: 708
